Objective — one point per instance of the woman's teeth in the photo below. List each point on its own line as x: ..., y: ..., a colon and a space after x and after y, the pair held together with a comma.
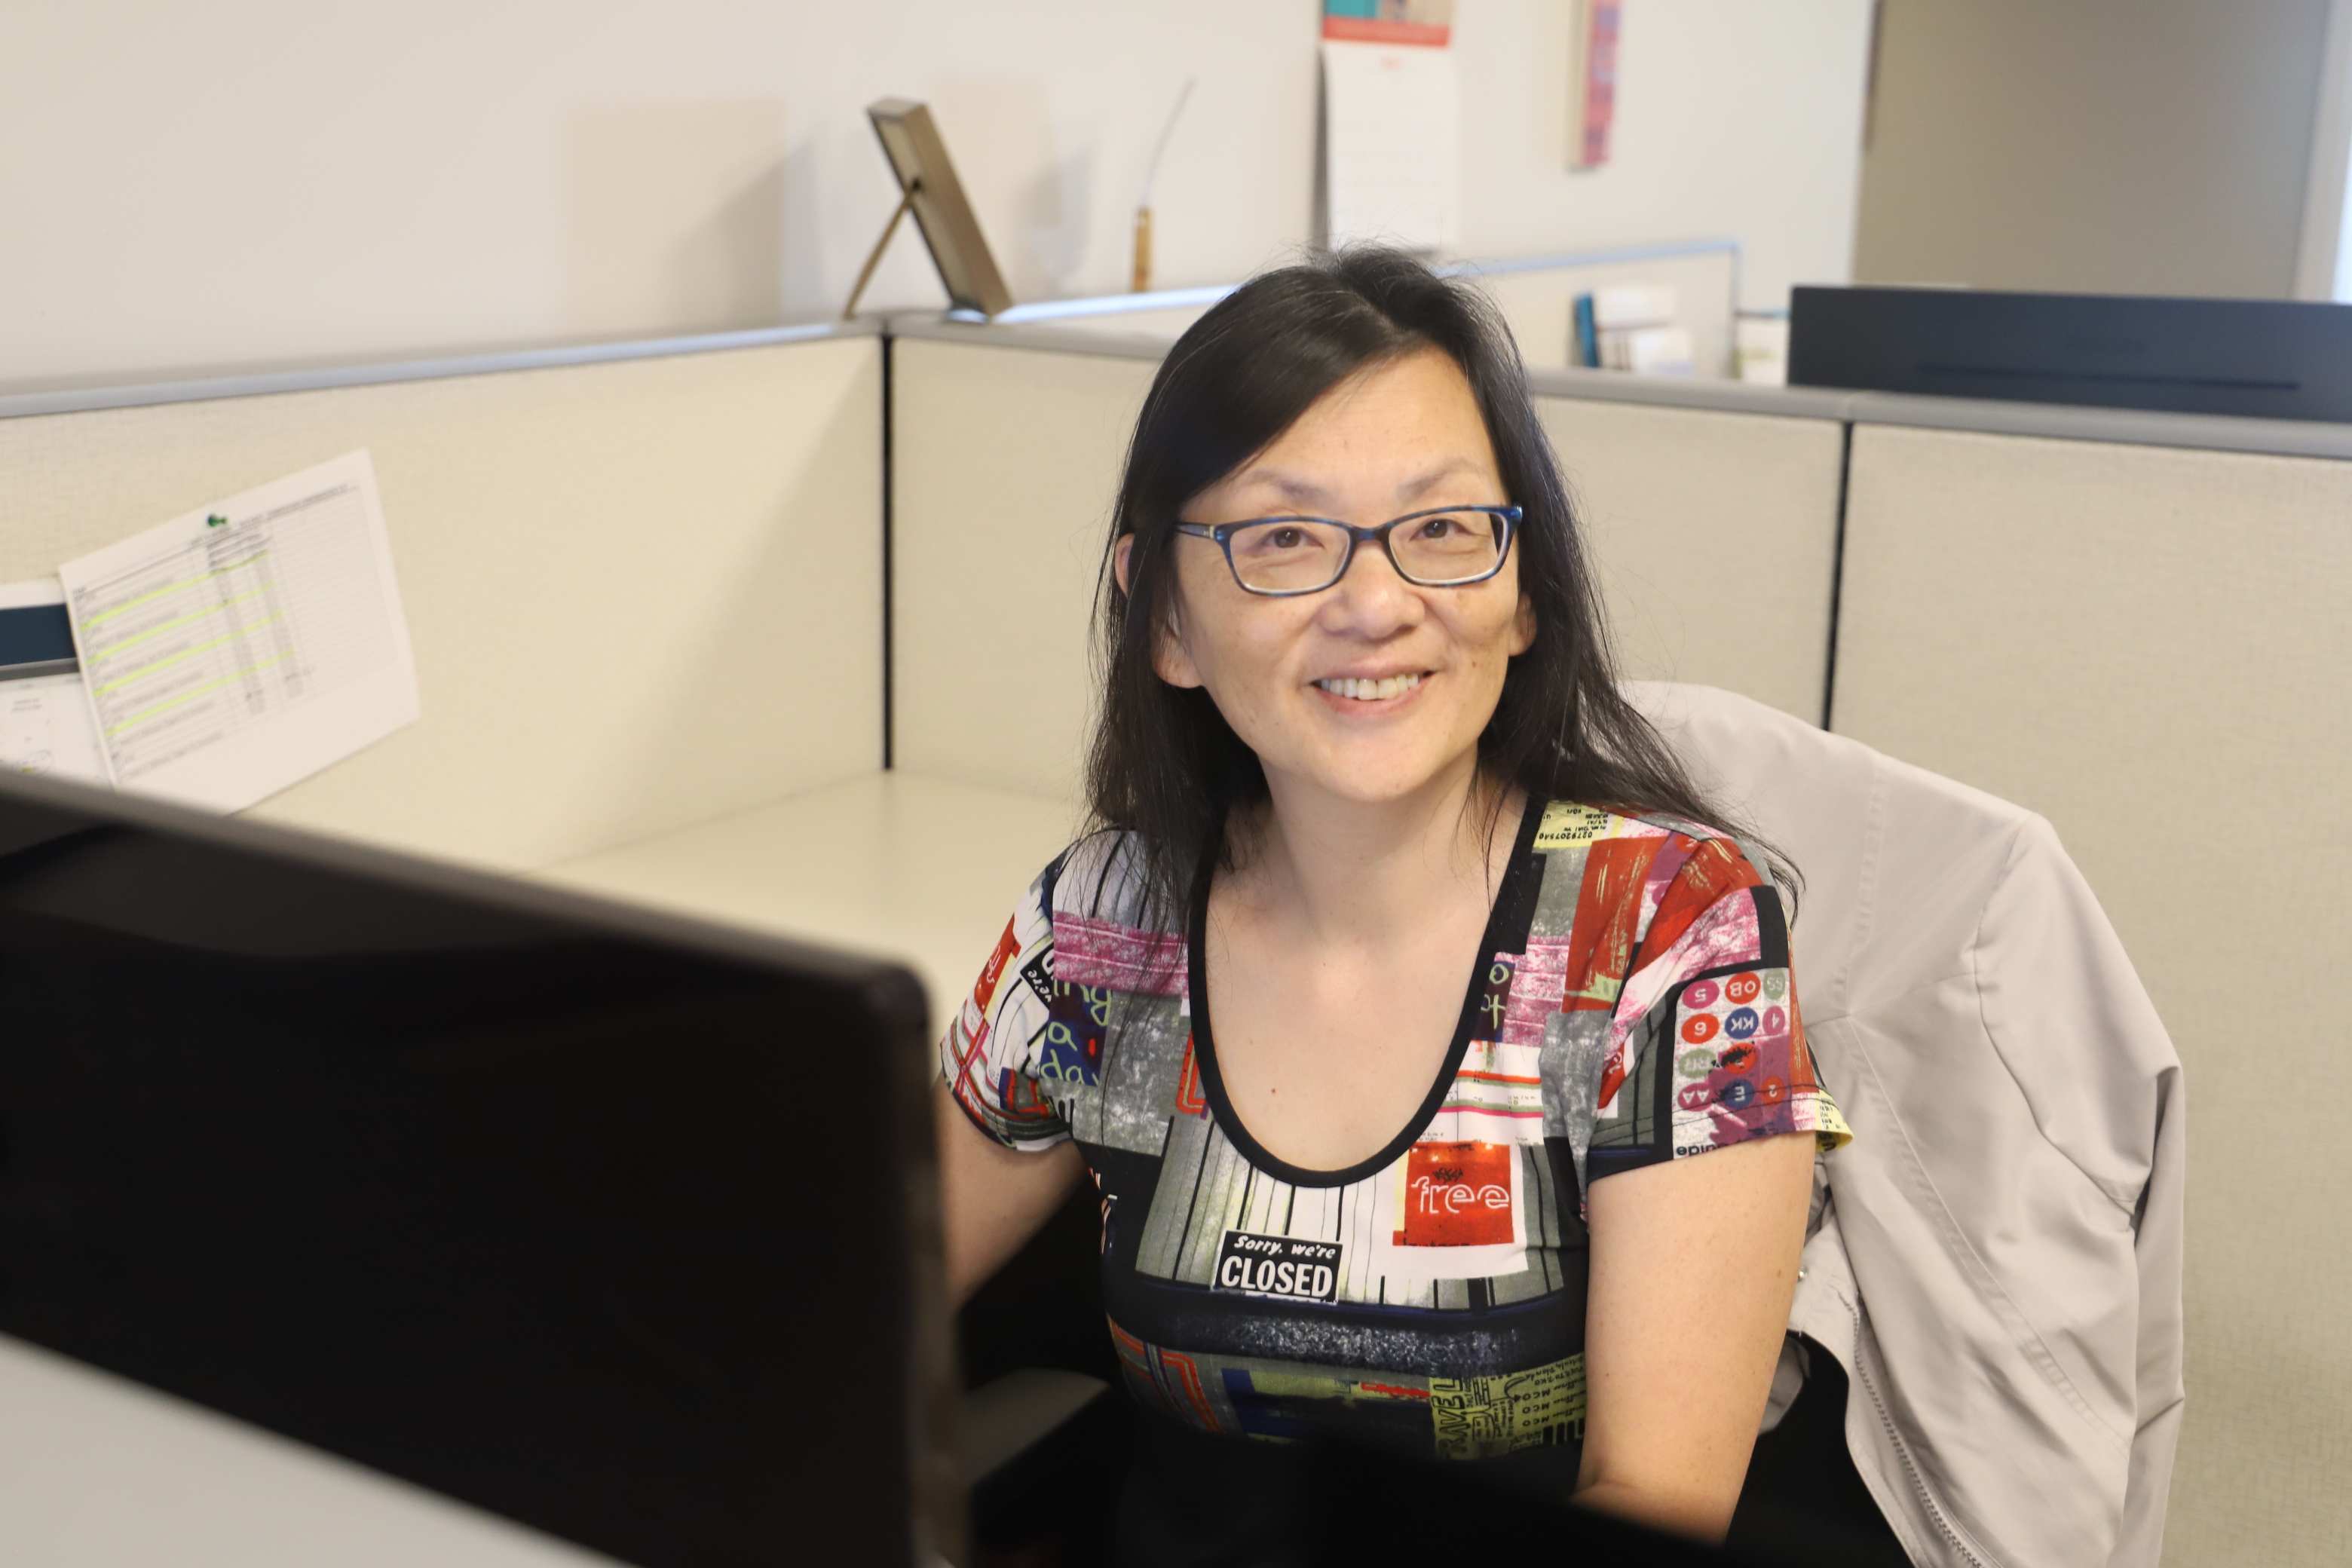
x: 1369, y: 690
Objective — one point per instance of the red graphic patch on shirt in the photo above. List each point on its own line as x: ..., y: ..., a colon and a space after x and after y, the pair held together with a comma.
x: 1715, y: 869
x: 1457, y: 1195
x: 1189, y: 1098
x: 1608, y: 908
x: 1008, y: 947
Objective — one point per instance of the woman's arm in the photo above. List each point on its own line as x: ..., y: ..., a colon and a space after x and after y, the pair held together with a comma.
x: 1693, y: 1265
x: 992, y: 1199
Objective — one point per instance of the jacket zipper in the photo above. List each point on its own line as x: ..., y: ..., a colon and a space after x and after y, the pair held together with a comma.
x: 1918, y: 1483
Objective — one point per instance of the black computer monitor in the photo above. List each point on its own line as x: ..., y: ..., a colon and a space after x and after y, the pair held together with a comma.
x: 616, y: 1225
x: 2264, y: 359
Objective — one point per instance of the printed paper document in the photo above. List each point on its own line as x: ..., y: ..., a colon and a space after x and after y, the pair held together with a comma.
x: 246, y: 645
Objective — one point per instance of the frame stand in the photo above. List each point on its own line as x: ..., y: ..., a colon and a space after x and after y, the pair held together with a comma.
x: 874, y: 257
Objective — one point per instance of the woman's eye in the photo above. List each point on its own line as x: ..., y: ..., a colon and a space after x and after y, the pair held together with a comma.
x: 1287, y: 538
x: 1438, y: 527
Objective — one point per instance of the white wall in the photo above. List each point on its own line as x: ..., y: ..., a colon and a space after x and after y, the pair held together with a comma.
x: 264, y: 180
x: 1735, y: 119
x: 256, y: 181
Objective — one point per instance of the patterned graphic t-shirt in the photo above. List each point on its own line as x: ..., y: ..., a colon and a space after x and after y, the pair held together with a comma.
x: 1632, y: 1005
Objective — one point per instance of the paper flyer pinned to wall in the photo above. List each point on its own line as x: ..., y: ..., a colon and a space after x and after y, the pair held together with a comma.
x: 1390, y: 123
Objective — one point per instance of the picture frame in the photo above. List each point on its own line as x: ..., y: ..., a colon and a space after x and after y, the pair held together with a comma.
x: 927, y: 186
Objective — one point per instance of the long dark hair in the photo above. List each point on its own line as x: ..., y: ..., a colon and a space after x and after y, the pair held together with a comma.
x: 1164, y: 763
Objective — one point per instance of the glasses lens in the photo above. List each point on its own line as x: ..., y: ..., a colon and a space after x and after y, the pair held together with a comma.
x: 1448, y: 546
x: 1287, y: 557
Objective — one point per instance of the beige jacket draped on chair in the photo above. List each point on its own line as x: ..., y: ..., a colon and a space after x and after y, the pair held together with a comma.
x: 1997, y: 1261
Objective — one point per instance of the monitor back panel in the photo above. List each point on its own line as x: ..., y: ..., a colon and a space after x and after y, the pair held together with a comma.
x: 603, y: 1231
x: 2264, y: 359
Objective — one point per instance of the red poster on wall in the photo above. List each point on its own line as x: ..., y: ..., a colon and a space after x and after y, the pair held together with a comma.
x: 1424, y: 22
x: 1592, y: 83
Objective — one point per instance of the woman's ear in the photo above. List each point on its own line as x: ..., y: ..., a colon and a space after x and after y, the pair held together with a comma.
x: 1169, y: 660
x: 1523, y: 627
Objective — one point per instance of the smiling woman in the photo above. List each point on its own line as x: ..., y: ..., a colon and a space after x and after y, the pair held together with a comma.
x: 1405, y: 972
x: 1354, y: 682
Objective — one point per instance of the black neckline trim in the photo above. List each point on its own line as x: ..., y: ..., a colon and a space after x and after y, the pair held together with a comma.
x: 1204, y: 1048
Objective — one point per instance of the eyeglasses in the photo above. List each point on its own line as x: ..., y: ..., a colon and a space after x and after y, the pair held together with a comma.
x: 1449, y: 547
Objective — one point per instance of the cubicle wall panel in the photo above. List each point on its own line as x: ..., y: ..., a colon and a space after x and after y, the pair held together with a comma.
x: 2149, y: 644
x: 1714, y: 537
x: 1005, y: 466
x: 641, y: 593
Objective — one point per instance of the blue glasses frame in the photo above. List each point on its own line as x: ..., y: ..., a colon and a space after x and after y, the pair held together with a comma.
x: 1222, y: 535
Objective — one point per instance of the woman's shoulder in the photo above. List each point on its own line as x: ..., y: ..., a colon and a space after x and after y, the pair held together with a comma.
x: 1647, y: 873
x: 1107, y: 920
x: 1105, y: 875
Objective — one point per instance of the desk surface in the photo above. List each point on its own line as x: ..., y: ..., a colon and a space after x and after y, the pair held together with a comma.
x: 919, y: 869
x: 99, y: 1472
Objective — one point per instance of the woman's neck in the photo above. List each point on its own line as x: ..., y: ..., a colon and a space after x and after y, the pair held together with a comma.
x: 1368, y: 872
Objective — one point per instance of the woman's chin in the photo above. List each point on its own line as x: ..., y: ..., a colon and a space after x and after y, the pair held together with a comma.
x: 1360, y: 779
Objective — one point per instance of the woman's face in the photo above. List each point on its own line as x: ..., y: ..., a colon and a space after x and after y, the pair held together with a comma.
x: 1372, y: 690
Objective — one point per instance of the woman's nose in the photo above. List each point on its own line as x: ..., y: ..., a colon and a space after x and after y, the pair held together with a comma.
x: 1369, y: 599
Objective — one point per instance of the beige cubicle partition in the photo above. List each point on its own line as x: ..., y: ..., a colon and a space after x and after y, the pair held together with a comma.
x: 643, y: 581
x: 1712, y: 517
x: 1712, y: 514
x: 2149, y: 644
x: 1005, y: 453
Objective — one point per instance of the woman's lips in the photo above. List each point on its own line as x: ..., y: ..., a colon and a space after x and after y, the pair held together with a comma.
x: 1354, y: 688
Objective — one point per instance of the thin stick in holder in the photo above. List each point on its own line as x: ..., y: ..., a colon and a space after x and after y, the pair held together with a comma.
x: 1150, y: 174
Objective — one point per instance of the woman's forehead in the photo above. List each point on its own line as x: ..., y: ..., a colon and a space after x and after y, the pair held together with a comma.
x: 1410, y: 423
x: 1309, y: 488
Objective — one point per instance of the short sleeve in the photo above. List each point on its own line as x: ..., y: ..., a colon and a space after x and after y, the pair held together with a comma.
x: 988, y: 1055
x: 1708, y: 1046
